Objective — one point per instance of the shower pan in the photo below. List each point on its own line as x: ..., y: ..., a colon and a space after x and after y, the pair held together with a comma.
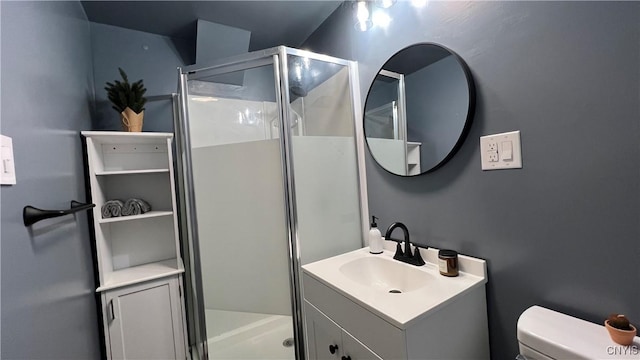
x: 270, y: 147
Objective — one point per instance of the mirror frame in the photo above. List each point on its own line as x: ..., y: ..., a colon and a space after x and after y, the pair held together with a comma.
x: 468, y: 119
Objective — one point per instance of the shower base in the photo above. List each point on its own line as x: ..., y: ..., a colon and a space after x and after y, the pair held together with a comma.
x: 242, y: 335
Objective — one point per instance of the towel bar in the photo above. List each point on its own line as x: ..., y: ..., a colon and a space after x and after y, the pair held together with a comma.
x: 31, y: 215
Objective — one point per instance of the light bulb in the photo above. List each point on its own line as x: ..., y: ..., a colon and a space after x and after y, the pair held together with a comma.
x: 363, y: 13
x: 381, y: 19
x: 385, y: 4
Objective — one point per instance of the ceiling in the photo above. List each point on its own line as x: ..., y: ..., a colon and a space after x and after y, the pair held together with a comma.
x: 415, y: 57
x: 271, y: 23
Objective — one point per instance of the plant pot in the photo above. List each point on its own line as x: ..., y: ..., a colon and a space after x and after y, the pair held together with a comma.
x: 132, y: 121
x: 622, y: 337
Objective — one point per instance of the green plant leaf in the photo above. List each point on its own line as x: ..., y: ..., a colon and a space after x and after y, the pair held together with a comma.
x: 123, y: 74
x: 123, y: 94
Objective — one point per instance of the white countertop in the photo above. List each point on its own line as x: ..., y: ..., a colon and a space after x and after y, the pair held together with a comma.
x: 403, y: 309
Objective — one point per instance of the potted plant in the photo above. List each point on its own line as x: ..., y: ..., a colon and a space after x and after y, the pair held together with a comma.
x: 620, y: 330
x: 128, y: 100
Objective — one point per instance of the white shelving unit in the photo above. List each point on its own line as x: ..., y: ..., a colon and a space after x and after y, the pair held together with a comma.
x: 413, y: 158
x: 137, y: 251
x: 123, y: 172
x: 149, y: 214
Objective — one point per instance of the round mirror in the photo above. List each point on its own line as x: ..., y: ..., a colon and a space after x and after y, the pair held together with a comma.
x: 419, y: 109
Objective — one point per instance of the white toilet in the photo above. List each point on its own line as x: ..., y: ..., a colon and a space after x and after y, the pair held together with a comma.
x: 544, y: 334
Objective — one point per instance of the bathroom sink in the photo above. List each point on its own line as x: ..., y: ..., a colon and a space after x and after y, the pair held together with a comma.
x: 385, y: 275
x: 399, y: 293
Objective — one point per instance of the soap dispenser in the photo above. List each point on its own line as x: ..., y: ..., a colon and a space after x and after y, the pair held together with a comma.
x: 375, y: 238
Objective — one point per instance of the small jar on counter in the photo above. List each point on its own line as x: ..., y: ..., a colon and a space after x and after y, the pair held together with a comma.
x: 448, y: 262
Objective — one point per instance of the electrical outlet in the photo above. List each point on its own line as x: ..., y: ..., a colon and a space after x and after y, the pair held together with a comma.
x: 501, y: 151
x: 493, y: 156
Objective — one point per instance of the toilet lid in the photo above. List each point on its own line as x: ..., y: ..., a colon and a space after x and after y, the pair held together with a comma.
x: 560, y: 336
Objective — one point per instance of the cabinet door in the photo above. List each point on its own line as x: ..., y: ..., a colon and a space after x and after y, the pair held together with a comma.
x: 145, y: 321
x: 323, y: 335
x: 352, y: 349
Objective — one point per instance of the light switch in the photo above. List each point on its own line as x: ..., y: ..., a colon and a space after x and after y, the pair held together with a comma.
x: 8, y: 172
x: 501, y: 151
x: 507, y: 150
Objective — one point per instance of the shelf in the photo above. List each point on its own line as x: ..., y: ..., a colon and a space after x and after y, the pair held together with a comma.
x: 116, y: 137
x: 127, y: 172
x: 150, y: 214
x: 133, y: 249
x: 138, y: 274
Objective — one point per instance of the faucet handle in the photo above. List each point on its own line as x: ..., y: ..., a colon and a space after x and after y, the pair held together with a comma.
x: 399, y: 254
x: 408, y: 252
x: 417, y: 258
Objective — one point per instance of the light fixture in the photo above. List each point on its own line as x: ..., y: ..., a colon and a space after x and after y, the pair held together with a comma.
x: 385, y: 4
x: 381, y: 19
x: 368, y: 16
x: 362, y: 15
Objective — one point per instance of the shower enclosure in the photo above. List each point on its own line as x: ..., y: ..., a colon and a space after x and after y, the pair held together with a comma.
x: 271, y: 159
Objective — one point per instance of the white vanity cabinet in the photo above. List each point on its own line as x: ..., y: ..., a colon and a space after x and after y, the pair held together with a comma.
x: 446, y: 318
x: 327, y: 340
x: 138, y: 256
x: 145, y: 321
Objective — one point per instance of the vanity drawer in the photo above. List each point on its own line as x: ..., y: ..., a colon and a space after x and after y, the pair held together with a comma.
x: 378, y: 335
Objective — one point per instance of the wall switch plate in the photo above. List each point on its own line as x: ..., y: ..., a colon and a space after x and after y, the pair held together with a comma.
x: 7, y: 169
x: 501, y: 151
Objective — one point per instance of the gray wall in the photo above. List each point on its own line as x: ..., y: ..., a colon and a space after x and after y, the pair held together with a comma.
x: 563, y: 231
x: 153, y: 58
x: 48, y: 306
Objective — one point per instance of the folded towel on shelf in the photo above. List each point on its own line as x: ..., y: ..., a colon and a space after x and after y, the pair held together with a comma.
x: 135, y: 206
x: 112, y: 208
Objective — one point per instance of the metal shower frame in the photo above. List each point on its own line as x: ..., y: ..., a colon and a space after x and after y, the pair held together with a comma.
x: 276, y: 57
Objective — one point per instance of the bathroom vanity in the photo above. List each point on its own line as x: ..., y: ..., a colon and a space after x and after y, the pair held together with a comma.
x: 364, y: 306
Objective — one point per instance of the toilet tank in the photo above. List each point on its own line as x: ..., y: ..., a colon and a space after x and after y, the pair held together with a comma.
x: 546, y: 334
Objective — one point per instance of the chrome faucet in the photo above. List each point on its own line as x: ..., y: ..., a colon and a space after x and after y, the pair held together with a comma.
x: 406, y: 255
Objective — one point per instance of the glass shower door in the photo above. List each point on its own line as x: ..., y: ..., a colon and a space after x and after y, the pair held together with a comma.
x: 239, y: 201
x: 385, y: 121
x: 272, y: 168
x: 324, y: 156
